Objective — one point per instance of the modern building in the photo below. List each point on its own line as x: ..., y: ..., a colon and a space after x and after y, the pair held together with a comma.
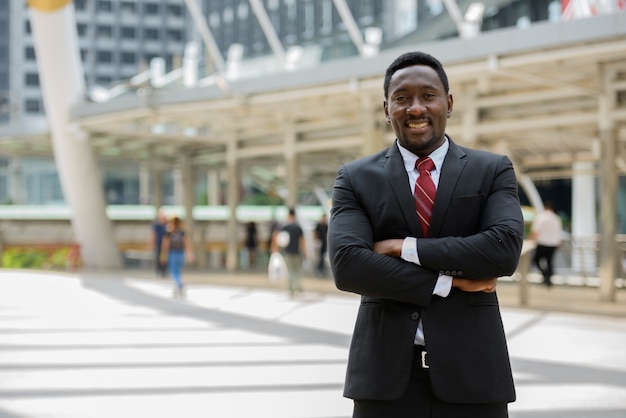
x: 120, y: 38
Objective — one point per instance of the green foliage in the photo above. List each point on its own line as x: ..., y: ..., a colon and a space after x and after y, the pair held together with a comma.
x: 36, y: 258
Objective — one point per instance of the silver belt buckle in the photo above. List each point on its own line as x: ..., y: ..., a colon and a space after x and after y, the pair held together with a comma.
x: 424, y: 364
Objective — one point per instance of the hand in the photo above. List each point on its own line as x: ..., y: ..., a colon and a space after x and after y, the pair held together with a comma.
x: 467, y: 285
x: 390, y: 247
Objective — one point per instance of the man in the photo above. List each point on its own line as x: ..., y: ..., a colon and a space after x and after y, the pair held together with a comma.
x: 321, y: 234
x: 290, y: 239
x: 428, y: 340
x: 546, y: 230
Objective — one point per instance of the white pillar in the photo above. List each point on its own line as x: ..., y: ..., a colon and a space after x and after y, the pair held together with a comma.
x: 63, y: 87
x: 291, y: 163
x: 233, y: 202
x: 144, y: 184
x: 584, y: 225
x: 213, y: 186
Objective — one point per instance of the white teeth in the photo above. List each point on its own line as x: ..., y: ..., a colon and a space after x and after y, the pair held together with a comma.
x: 418, y: 125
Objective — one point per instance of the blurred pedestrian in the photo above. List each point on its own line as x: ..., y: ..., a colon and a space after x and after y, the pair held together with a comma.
x: 155, y: 243
x: 251, y: 243
x: 321, y: 232
x: 177, y: 247
x: 290, y: 241
x: 546, y: 230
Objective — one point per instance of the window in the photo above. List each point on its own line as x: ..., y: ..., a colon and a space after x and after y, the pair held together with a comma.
x: 81, y: 29
x: 128, y: 7
x: 174, y: 35
x: 152, y: 9
x: 31, y: 79
x: 29, y: 53
x: 80, y: 4
x: 105, y: 6
x: 129, y: 58
x: 32, y: 106
x: 128, y: 32
x: 174, y: 10
x: 104, y: 57
x: 151, y: 33
x: 104, y: 32
x: 27, y: 26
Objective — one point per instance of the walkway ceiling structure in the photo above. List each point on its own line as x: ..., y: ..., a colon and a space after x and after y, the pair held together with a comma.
x: 531, y: 93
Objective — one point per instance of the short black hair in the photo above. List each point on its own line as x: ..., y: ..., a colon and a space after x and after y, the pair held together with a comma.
x: 415, y: 58
x: 292, y: 211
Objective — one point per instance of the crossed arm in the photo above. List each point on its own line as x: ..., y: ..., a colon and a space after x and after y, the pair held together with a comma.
x: 393, y: 248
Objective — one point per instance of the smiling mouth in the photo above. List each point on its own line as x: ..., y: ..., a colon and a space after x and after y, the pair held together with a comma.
x: 417, y: 125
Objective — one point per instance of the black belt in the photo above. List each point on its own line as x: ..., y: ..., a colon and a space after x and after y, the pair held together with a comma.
x: 419, y: 357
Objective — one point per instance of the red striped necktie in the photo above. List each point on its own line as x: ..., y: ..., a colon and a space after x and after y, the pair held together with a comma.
x: 424, y: 194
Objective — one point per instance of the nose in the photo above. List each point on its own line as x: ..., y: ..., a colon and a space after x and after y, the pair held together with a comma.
x: 416, y: 107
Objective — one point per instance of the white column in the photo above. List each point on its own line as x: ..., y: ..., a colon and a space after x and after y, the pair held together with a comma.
x: 157, y: 187
x: 144, y: 184
x: 213, y: 186
x: 291, y: 164
x: 608, y: 188
x: 63, y: 87
x: 233, y: 201
x: 584, y: 225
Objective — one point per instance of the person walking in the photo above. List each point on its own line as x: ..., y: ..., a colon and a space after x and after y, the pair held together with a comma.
x: 321, y: 233
x: 155, y: 243
x: 251, y: 243
x: 177, y: 247
x: 547, y: 231
x: 290, y: 241
x: 429, y: 339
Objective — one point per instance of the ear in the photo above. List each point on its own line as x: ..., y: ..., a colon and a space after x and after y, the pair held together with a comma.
x: 387, y: 118
x: 450, y: 102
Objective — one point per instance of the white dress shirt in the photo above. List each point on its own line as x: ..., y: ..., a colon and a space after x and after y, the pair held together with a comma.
x: 409, y: 246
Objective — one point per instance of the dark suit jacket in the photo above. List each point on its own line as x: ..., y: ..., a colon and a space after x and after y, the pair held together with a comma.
x: 476, y: 232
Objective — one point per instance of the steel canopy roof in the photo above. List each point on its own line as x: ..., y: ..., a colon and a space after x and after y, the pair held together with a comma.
x: 538, y: 94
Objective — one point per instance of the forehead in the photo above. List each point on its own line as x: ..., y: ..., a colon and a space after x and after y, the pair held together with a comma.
x: 415, y: 76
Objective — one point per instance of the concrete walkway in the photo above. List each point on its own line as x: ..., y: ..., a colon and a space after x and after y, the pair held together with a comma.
x: 116, y: 344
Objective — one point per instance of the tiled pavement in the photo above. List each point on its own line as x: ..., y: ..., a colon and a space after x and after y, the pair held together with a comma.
x: 116, y: 344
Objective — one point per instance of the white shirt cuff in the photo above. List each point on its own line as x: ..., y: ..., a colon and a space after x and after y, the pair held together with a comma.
x: 409, y: 253
x: 409, y: 250
x: 443, y: 286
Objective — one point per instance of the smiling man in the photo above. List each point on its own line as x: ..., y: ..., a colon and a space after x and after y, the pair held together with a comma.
x: 422, y: 231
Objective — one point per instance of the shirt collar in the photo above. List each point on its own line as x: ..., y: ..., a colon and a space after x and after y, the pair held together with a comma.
x: 437, y: 156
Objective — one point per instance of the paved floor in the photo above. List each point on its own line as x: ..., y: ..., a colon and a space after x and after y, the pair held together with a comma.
x: 118, y: 345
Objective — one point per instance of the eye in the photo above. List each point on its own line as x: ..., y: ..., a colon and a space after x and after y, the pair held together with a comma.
x: 401, y: 99
x: 430, y: 96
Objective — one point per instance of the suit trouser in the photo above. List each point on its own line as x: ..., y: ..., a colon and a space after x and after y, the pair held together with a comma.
x: 418, y: 401
x: 543, y: 260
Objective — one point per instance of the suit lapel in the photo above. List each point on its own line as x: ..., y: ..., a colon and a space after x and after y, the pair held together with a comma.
x: 399, y: 183
x: 451, y: 170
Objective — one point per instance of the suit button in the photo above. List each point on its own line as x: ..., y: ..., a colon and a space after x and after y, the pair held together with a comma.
x: 453, y: 273
x: 415, y: 316
x: 447, y: 273
x: 459, y: 273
